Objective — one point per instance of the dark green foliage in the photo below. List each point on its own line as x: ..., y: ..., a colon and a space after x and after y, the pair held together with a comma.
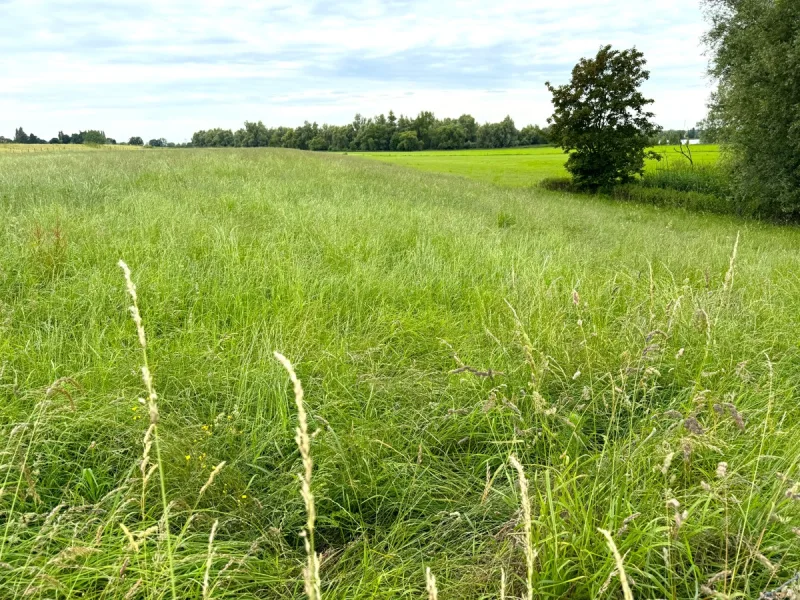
x: 533, y: 135
x: 755, y: 47
x: 498, y: 135
x: 381, y: 133
x: 448, y: 135
x: 213, y: 137
x: 408, y: 141
x: 602, y: 118
x: 318, y: 144
x: 158, y: 143
x: 136, y: 141
x: 94, y: 137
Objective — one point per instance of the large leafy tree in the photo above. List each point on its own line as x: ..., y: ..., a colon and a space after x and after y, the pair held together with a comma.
x: 755, y: 50
x: 602, y: 118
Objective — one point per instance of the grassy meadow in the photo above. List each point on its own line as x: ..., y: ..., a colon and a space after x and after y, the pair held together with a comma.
x: 641, y: 363
x: 520, y: 167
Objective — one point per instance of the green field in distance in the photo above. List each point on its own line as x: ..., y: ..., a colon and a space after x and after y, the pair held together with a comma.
x: 515, y: 167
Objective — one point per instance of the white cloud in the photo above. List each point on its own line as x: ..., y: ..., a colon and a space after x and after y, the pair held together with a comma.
x: 167, y: 68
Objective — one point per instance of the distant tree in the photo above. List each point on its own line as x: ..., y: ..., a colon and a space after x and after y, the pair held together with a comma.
x: 136, y: 141
x: 252, y: 135
x: 408, y: 141
x: 55, y: 140
x: 318, y: 144
x: 161, y: 143
x: 470, y: 127
x: 532, y: 135
x: 507, y: 132
x: 94, y: 137
x: 63, y: 139
x: 287, y: 139
x: 423, y: 124
x: 34, y: 139
x: 5, y: 140
x: 77, y: 138
x: 448, y: 135
x: 20, y: 137
x: 304, y: 134
x: 755, y: 57
x: 111, y: 141
x: 601, y: 118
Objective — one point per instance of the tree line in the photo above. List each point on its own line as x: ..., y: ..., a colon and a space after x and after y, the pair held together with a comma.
x: 91, y: 136
x: 384, y: 132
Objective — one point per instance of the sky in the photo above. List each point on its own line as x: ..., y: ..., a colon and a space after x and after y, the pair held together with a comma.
x: 167, y: 68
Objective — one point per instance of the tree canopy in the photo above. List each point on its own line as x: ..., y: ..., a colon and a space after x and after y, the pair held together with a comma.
x: 601, y: 118
x: 94, y: 137
x: 755, y: 49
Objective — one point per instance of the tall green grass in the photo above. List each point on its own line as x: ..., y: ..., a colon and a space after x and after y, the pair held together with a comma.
x: 639, y: 363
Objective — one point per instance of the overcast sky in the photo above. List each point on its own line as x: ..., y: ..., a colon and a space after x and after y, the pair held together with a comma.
x: 167, y: 68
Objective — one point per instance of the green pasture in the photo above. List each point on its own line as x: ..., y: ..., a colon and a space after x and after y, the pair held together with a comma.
x: 516, y: 167
x: 641, y: 363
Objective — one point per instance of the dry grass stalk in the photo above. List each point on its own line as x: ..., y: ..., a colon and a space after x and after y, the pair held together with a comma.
x: 716, y: 577
x: 530, y: 553
x: 57, y: 387
x: 728, y: 284
x: 693, y: 425
x: 152, y: 409
x: 209, y: 560
x: 134, y: 589
x: 766, y: 562
x: 311, y: 571
x: 211, y: 477
x: 628, y: 520
x: 147, y: 377
x: 604, y: 588
x: 737, y: 418
x: 502, y: 583
x: 134, y: 546
x: 667, y: 463
x: 430, y: 584
x: 626, y: 589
